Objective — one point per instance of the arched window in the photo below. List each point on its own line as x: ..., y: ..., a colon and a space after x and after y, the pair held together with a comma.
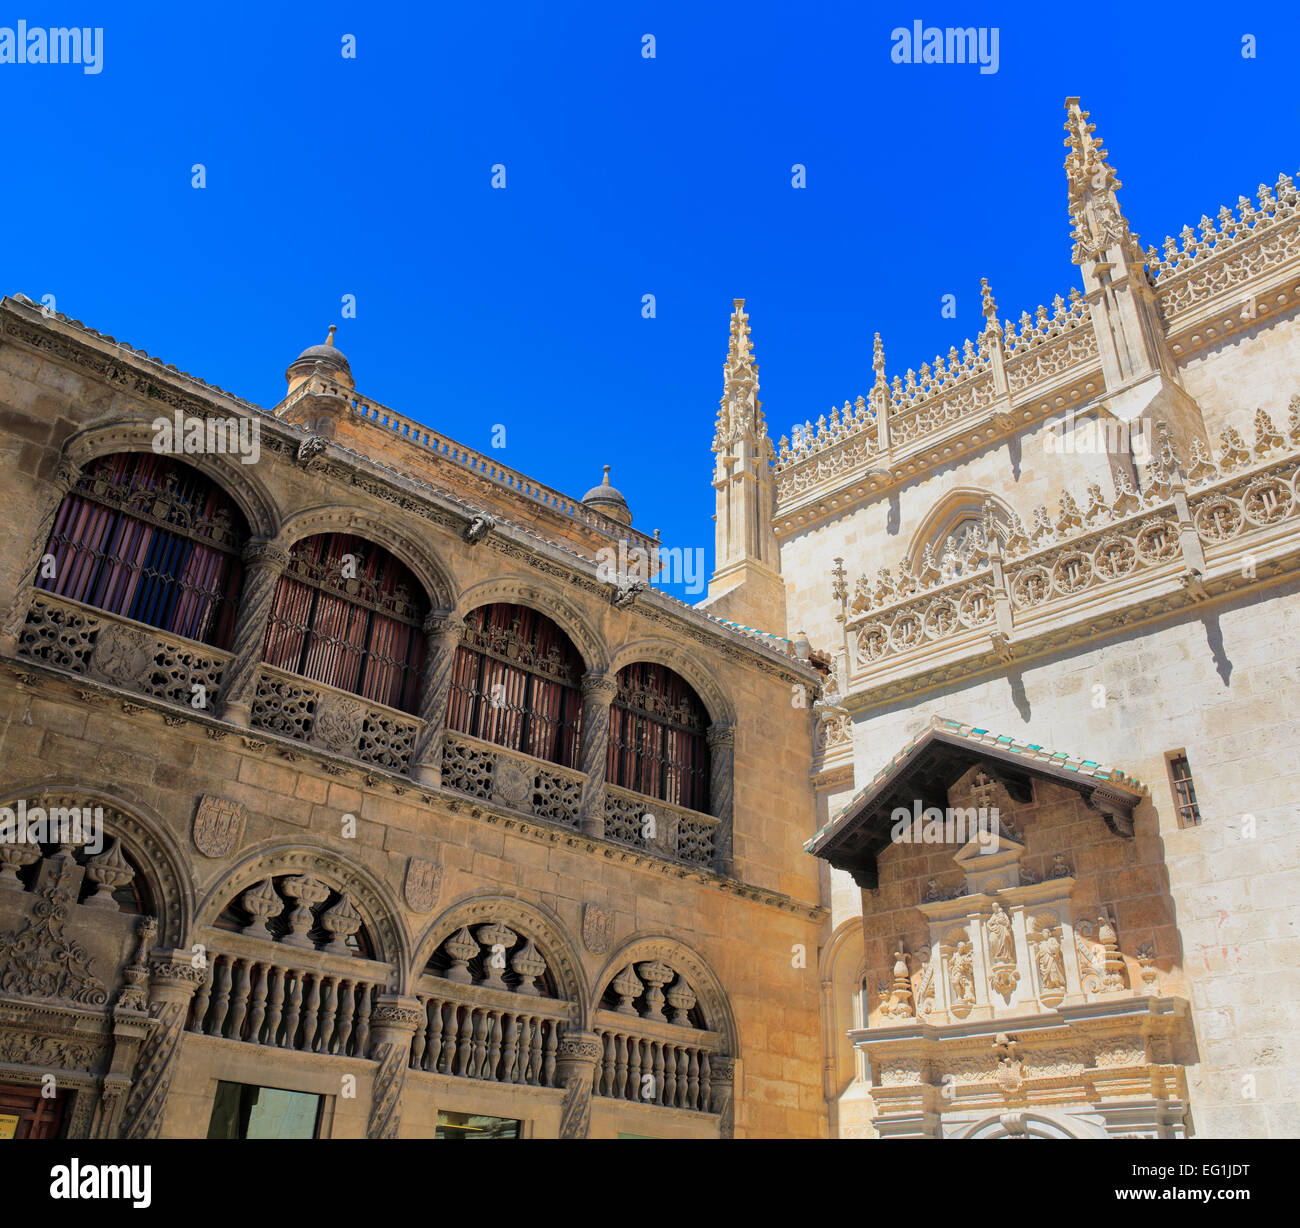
x: 516, y: 682
x: 658, y: 737
x: 147, y: 537
x: 347, y: 613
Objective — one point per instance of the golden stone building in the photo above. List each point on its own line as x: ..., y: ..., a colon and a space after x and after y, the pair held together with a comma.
x: 417, y: 821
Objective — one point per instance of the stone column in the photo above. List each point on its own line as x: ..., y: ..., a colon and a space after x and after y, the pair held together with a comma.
x: 173, y: 979
x: 722, y: 1073
x: 264, y: 562
x: 442, y: 630
x: 598, y: 691
x: 722, y: 754
x: 393, y: 1022
x: 575, y: 1067
x: 65, y: 477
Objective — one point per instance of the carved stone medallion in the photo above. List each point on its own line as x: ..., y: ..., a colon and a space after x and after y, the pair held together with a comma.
x: 597, y: 928
x: 218, y: 825
x: 423, y: 882
x: 338, y: 724
x: 512, y: 784
x: 121, y: 654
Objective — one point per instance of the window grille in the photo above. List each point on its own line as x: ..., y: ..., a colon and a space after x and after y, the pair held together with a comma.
x: 146, y: 537
x: 658, y: 737
x: 1184, y: 789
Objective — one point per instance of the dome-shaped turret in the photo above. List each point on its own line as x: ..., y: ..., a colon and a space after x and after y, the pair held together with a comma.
x: 606, y: 499
x: 332, y: 359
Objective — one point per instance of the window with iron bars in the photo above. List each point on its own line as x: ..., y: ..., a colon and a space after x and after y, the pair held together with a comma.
x: 1184, y: 789
x: 149, y: 538
x: 658, y: 742
x: 347, y: 613
x: 516, y: 683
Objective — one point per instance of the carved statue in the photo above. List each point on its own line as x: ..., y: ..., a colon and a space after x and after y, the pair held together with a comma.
x: 1051, y: 963
x: 962, y: 973
x: 1002, y: 946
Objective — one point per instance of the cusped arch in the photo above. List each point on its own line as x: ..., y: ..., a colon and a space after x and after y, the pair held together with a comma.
x: 660, y: 651
x: 710, y: 995
x: 433, y: 575
x: 548, y: 599
x: 533, y: 920
x: 146, y: 841
x: 238, y: 480
x: 372, y: 899
x: 948, y: 511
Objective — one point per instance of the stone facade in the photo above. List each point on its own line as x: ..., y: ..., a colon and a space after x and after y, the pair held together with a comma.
x: 300, y: 872
x: 1129, y: 600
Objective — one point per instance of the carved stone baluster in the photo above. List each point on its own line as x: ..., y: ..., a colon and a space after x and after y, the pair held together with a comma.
x: 693, y: 1080
x: 433, y: 1034
x: 478, y: 1062
x: 662, y: 1073
x: 420, y: 1041
x: 706, y: 1081
x: 494, y: 1046
x: 274, y: 1004
x: 362, y: 1047
x: 347, y: 1008
x: 607, y: 1066
x: 172, y: 981
x: 310, y: 1014
x: 202, y: 998
x: 465, y: 1050
x: 221, y: 1006
x: 634, y: 1068
x: 257, y: 1012
x: 263, y: 564
x: 394, y: 1022
x: 525, y: 1041
x: 510, y: 1050
x: 294, y: 1011
x: 722, y: 754
x: 239, y: 998
x: 329, y: 1015
x: 442, y: 631
x: 451, y: 1039
x: 683, y: 1068
x: 548, y: 1054
x: 598, y: 691
x: 535, y: 1054
x: 620, y: 1067
x: 667, y: 1081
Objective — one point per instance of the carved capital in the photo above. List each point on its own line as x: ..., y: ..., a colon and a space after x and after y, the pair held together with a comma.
x: 721, y: 735
x: 263, y: 553
x: 440, y: 624
x: 599, y: 686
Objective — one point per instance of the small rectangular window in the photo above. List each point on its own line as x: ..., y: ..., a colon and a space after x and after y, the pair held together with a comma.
x: 472, y: 1125
x: 1184, y: 789
x: 243, y: 1110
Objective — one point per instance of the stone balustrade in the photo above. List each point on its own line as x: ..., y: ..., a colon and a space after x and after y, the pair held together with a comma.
x: 472, y: 1032
x: 259, y: 998
x: 67, y: 635
x: 655, y: 1063
x: 509, y: 778
x: 659, y: 827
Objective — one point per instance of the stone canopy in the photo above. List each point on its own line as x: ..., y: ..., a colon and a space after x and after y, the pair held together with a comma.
x: 936, y: 759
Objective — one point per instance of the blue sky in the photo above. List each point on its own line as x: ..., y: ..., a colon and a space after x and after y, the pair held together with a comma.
x: 625, y: 176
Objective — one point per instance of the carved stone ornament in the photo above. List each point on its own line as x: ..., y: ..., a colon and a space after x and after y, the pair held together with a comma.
x: 338, y: 723
x: 512, y: 784
x: 423, y: 882
x: 218, y: 825
x: 122, y: 654
x: 597, y: 928
x: 42, y: 962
